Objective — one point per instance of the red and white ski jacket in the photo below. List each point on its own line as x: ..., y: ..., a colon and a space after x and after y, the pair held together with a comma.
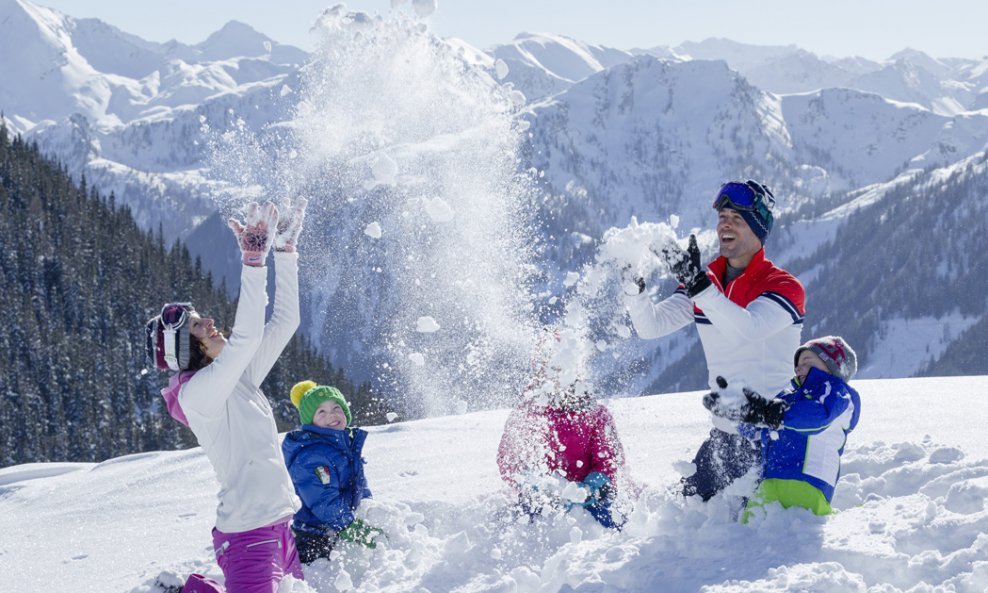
x: 749, y: 329
x: 229, y: 415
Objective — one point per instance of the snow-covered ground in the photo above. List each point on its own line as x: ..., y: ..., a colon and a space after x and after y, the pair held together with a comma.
x: 910, y: 513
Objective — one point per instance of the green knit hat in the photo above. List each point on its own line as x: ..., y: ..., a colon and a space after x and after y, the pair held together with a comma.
x: 307, y: 396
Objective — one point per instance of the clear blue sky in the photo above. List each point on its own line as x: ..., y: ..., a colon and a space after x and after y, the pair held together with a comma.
x: 870, y: 28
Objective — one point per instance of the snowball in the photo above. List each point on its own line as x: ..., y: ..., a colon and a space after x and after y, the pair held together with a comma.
x: 426, y: 325
x: 500, y: 69
x: 575, y: 535
x: 517, y: 98
x: 417, y: 358
x: 632, y: 246
x: 170, y: 579
x: 571, y: 279
x: 391, y: 416
x: 573, y: 492
x: 384, y: 169
x: 373, y: 230
x: 438, y: 209
x: 343, y: 581
x: 630, y: 286
x: 424, y: 8
x: 685, y: 468
x: 289, y: 584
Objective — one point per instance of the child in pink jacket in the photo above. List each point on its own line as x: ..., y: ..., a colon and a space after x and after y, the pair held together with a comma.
x: 560, y: 429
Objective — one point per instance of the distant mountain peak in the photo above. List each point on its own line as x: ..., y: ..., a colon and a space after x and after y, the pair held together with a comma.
x: 909, y: 53
x: 236, y: 28
x: 235, y: 39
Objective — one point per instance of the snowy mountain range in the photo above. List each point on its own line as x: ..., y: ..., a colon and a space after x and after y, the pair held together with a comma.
x: 179, y: 132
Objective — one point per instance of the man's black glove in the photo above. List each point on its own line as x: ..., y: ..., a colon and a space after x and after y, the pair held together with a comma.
x: 685, y: 266
x: 756, y: 410
x: 633, y: 284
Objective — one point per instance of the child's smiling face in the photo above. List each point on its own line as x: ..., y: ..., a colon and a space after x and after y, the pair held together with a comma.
x: 330, y: 415
x: 808, y: 360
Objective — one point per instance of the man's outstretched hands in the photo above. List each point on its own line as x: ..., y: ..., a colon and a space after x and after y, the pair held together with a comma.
x: 756, y: 410
x: 256, y: 236
x: 685, y: 265
x: 290, y: 225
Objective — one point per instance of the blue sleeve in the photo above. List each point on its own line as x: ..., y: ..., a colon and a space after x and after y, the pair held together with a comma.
x: 324, y: 500
x: 812, y: 415
x: 362, y: 486
x: 360, y: 489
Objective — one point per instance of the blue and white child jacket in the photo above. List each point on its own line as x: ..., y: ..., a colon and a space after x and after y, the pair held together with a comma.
x: 328, y: 473
x: 809, y: 444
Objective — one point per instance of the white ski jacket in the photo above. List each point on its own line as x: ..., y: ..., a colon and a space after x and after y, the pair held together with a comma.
x: 749, y: 329
x: 229, y: 415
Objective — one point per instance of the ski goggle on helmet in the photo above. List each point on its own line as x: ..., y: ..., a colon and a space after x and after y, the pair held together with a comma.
x: 752, y: 200
x: 168, y: 338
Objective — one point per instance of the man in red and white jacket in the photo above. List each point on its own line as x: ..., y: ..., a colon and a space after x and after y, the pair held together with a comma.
x: 748, y: 313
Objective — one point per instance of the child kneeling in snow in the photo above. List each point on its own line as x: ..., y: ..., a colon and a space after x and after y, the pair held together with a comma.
x: 323, y: 459
x: 803, y: 429
x: 560, y: 429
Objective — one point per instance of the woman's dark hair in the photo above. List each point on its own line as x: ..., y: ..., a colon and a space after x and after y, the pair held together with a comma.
x: 197, y: 354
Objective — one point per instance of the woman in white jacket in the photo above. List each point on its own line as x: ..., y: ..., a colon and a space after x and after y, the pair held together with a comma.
x: 215, y: 391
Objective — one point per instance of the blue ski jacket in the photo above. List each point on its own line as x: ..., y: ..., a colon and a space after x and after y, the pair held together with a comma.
x: 328, y: 473
x: 809, y: 444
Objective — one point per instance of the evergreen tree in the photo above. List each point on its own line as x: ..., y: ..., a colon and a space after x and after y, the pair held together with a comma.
x: 79, y: 279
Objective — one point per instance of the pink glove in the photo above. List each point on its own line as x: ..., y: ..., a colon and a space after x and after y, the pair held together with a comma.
x: 290, y: 225
x: 255, y: 239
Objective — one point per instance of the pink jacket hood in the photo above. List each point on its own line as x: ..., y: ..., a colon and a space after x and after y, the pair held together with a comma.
x: 170, y: 393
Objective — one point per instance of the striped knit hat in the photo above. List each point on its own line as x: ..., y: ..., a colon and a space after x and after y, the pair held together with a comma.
x: 169, y: 344
x: 308, y: 396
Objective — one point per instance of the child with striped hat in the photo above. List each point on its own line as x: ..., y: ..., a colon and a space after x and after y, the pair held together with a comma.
x: 803, y: 429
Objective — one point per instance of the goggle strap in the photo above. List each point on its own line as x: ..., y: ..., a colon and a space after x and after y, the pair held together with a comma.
x: 170, y: 347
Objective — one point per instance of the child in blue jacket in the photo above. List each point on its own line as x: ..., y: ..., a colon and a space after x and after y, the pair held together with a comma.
x: 803, y: 429
x: 323, y: 459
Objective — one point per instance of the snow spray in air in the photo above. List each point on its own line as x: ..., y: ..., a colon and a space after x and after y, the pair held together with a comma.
x: 595, y: 305
x: 418, y: 240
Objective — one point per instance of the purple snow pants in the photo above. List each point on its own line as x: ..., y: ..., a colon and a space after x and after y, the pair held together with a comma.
x: 255, y: 561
